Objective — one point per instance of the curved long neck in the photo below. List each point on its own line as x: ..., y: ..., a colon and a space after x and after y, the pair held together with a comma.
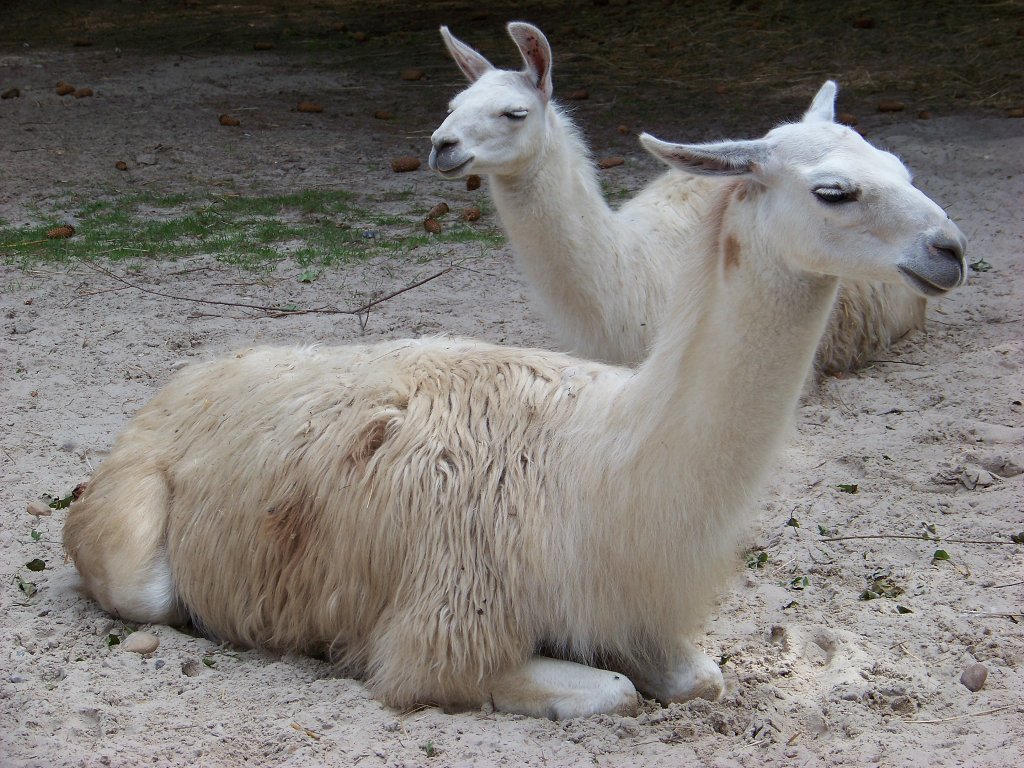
x: 562, y: 229
x: 702, y: 418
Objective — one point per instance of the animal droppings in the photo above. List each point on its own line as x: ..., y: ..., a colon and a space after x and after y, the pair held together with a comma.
x: 382, y: 114
x: 974, y: 676
x: 309, y: 106
x: 433, y: 226
x: 38, y: 509
x: 121, y: 165
x: 1015, y: 112
x: 580, y: 94
x: 228, y: 120
x: 438, y: 211
x: 470, y: 213
x: 63, y: 89
x: 83, y: 93
x: 360, y: 37
x: 891, y: 105
x: 140, y: 642
x: 10, y: 93
x: 263, y: 46
x: 412, y: 75
x: 847, y: 118
x: 924, y: 114
x: 610, y: 162
x: 472, y: 183
x: 864, y: 22
x: 405, y: 164
x: 61, y: 232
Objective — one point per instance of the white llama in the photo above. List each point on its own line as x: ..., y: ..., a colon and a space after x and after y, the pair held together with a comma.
x: 431, y: 513
x: 602, y: 276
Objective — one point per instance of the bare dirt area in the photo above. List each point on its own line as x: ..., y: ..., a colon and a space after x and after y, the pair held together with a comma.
x: 882, y: 564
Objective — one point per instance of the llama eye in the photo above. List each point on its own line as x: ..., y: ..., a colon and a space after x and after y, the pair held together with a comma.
x: 516, y: 114
x: 835, y: 195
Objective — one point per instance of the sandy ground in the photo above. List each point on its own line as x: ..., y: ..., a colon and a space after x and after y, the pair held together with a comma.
x: 933, y: 438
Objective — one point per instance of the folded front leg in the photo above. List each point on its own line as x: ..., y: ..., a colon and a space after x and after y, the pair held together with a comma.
x: 688, y: 674
x: 544, y: 687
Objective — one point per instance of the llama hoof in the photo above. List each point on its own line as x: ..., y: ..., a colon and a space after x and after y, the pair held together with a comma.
x: 559, y: 690
x: 695, y: 676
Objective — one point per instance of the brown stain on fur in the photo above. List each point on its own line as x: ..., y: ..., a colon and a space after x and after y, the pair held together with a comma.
x: 731, y: 251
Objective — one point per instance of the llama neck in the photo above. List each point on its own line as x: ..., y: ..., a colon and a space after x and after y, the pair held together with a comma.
x: 563, y: 232
x: 701, y: 420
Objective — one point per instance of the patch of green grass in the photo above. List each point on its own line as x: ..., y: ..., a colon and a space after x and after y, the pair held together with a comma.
x: 314, y: 228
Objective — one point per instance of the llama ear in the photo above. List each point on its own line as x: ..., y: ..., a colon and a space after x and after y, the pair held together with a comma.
x: 472, y: 64
x: 536, y: 54
x: 823, y: 107
x: 724, y: 158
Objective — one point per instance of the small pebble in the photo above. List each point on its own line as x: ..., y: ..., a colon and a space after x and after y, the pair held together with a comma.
x: 405, y: 164
x: 438, y: 211
x: 159, y: 664
x: 191, y: 668
x: 472, y: 183
x: 890, y: 105
x: 22, y: 327
x: 146, y: 158
x: 974, y: 676
x: 39, y: 509
x: 19, y: 679
x: 61, y: 232
x: 140, y: 642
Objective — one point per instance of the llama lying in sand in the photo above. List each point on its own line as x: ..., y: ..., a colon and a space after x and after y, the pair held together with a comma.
x: 603, y: 276
x: 430, y: 513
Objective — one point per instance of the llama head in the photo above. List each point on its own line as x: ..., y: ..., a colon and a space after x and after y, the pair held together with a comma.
x: 497, y: 124
x: 832, y: 203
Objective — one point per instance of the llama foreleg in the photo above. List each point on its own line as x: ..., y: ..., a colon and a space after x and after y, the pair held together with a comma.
x: 544, y: 687
x: 689, y: 674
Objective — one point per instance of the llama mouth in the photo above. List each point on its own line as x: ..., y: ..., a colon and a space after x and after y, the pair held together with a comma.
x: 449, y: 171
x: 926, y: 286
